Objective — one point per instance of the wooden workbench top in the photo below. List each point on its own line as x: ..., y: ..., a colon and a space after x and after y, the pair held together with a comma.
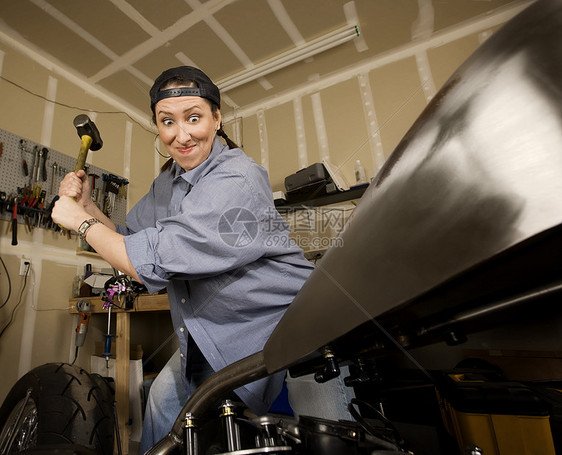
x: 143, y: 302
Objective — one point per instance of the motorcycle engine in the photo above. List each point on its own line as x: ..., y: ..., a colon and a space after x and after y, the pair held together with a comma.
x: 236, y: 432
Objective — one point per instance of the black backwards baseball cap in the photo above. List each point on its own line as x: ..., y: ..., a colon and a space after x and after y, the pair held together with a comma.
x: 205, y: 87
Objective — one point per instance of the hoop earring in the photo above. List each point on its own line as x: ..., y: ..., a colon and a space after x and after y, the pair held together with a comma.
x: 157, y: 149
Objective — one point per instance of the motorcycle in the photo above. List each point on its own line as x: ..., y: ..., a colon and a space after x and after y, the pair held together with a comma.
x: 458, y: 232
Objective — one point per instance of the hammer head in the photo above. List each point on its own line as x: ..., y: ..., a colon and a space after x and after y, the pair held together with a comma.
x: 85, y: 126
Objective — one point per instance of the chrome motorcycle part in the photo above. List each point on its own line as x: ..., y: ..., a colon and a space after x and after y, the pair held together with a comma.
x: 331, y: 369
x: 262, y: 451
x: 270, y: 436
x: 230, y: 428
x: 190, y: 435
x: 20, y: 427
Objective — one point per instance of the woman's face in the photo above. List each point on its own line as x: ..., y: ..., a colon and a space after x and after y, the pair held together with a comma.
x: 187, y: 128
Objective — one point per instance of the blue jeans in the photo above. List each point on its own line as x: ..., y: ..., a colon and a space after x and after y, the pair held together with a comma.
x: 168, y: 395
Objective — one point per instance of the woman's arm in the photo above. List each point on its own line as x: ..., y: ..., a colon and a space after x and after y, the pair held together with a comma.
x: 111, y: 246
x: 101, y: 237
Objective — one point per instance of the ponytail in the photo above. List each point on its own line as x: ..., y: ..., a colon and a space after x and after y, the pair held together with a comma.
x: 231, y: 144
x: 167, y: 165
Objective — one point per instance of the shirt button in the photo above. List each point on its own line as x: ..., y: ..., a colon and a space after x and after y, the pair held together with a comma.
x: 181, y: 329
x: 182, y: 300
x: 181, y: 355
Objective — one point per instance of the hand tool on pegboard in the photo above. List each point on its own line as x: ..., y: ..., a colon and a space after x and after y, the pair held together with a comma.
x: 27, y: 198
x: 45, y: 152
x: 12, y: 176
x: 15, y: 201
x: 3, y: 201
x: 111, y: 190
x: 47, y: 220
x: 25, y: 168
x: 96, y: 192
x: 35, y: 165
x: 40, y: 207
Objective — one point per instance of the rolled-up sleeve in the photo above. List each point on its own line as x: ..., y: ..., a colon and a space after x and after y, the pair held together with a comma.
x: 141, y: 249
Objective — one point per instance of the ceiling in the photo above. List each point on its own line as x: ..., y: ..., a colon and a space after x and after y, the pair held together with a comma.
x: 118, y: 47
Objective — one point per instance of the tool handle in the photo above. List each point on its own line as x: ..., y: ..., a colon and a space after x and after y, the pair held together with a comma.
x: 44, y: 165
x: 15, y: 225
x: 32, y: 167
x: 107, y: 345
x: 36, y: 165
x: 86, y: 141
x: 82, y: 329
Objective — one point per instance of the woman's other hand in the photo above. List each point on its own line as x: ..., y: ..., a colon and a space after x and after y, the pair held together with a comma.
x: 76, y: 185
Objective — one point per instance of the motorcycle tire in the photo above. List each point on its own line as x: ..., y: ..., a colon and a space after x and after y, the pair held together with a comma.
x: 63, y: 405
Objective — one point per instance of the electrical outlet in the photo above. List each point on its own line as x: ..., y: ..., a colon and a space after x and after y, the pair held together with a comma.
x: 25, y: 266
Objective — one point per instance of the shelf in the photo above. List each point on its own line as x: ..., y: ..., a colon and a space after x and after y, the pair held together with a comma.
x: 303, y: 200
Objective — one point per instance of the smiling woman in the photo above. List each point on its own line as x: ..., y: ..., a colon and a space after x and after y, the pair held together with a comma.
x: 187, y: 128
x: 189, y: 85
x: 204, y: 232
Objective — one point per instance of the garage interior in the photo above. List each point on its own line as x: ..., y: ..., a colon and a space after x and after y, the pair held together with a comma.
x: 334, y: 83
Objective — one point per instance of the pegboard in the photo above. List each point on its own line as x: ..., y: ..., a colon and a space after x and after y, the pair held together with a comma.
x: 47, y: 172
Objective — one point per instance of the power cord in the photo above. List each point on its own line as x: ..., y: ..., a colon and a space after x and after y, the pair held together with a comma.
x: 19, y: 300
x: 58, y: 103
x: 75, y: 355
x: 9, y: 284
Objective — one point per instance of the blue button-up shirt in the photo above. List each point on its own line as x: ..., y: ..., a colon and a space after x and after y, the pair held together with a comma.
x: 213, y: 238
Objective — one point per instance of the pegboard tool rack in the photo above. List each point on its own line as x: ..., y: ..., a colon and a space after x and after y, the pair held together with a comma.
x: 45, y: 178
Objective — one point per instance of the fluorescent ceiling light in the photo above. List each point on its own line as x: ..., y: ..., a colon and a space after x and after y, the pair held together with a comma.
x: 302, y: 52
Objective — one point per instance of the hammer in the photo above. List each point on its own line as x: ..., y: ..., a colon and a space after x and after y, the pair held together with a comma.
x: 89, y: 136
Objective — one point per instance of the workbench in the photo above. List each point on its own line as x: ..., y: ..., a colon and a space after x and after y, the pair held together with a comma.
x: 143, y: 303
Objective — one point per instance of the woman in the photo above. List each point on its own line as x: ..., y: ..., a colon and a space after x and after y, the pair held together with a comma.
x: 208, y: 232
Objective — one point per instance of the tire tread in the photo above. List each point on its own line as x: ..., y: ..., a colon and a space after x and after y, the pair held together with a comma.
x: 73, y: 406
